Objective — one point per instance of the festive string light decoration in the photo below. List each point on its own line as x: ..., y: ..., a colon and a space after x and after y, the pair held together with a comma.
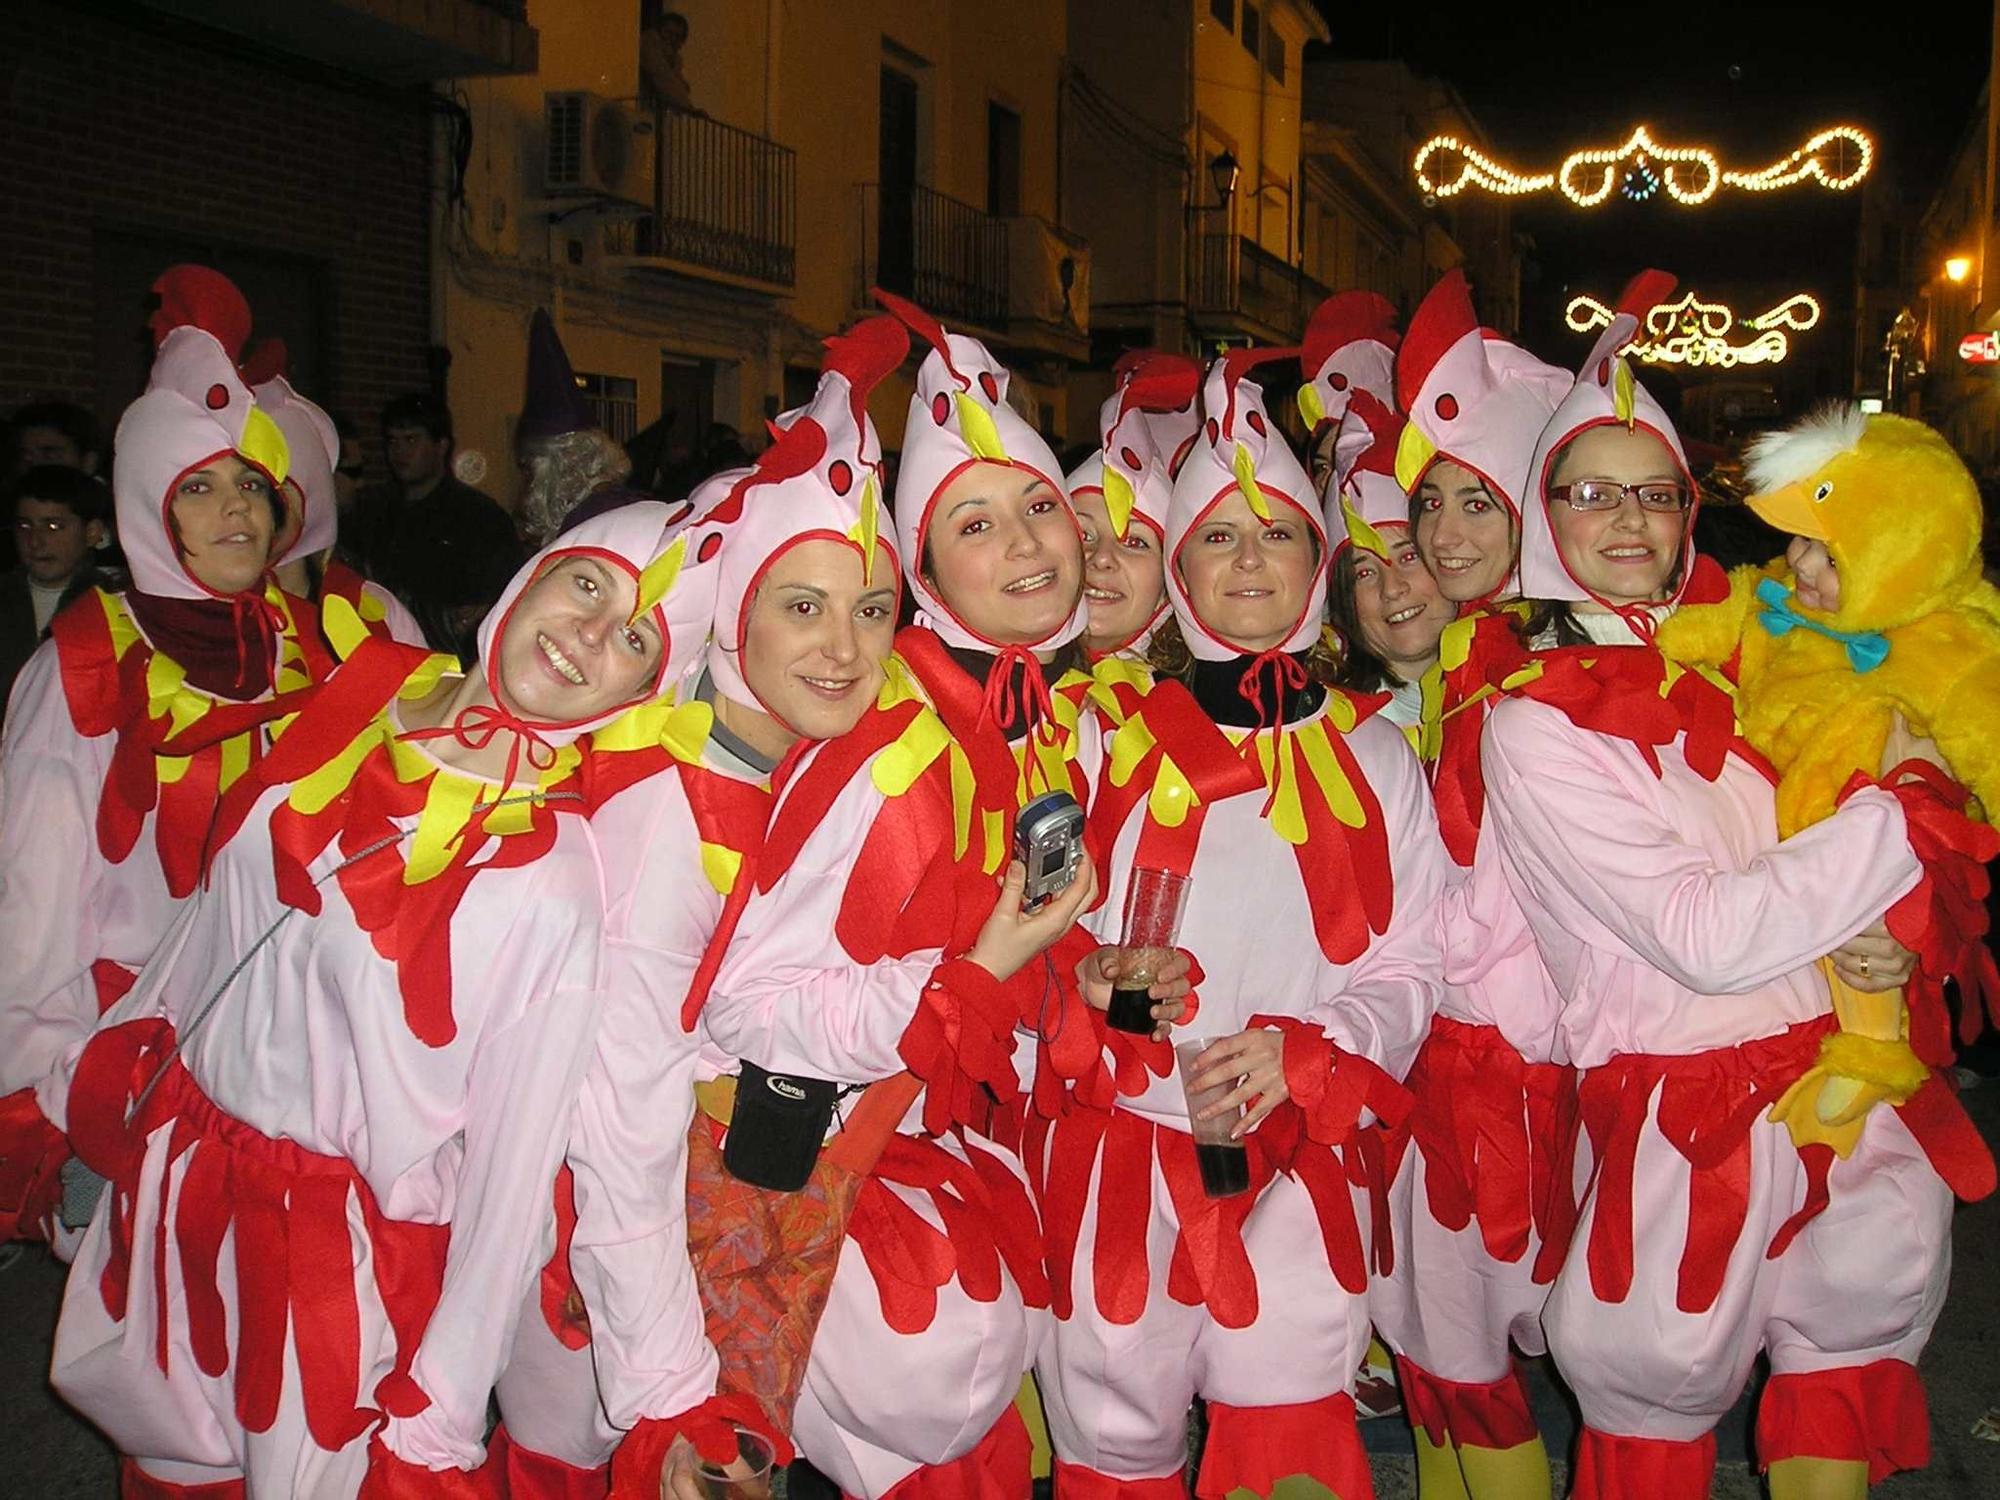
x: 1837, y: 158
x: 1696, y: 333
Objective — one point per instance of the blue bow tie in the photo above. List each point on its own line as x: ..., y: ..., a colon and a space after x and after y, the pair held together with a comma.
x: 1866, y: 649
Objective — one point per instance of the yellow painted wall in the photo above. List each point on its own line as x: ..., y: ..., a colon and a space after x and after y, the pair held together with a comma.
x: 803, y: 72
x: 1239, y: 105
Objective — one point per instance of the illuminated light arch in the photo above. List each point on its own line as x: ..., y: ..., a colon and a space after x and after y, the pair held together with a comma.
x: 1695, y: 333
x: 1641, y: 166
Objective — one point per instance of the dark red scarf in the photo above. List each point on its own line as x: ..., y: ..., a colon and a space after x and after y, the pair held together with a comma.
x: 227, y: 647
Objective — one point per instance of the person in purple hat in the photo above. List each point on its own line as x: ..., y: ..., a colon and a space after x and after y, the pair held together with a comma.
x: 564, y: 457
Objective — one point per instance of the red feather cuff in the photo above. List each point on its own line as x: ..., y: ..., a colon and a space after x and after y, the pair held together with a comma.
x: 32, y: 1152
x: 637, y: 1465
x: 1943, y: 918
x: 1331, y: 1086
x: 961, y: 1037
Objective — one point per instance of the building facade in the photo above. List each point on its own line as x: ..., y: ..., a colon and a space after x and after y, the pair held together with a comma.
x: 295, y: 157
x: 698, y: 221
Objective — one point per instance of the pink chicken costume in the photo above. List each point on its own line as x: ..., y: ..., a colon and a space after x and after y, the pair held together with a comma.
x: 332, y: 1108
x: 1301, y: 818
x: 847, y: 968
x: 1143, y: 425
x: 313, y: 442
x: 1639, y: 837
x: 1350, y: 346
x: 127, y: 726
x: 1480, y: 1176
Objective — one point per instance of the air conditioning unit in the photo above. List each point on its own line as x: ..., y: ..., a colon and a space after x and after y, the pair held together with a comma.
x: 596, y: 148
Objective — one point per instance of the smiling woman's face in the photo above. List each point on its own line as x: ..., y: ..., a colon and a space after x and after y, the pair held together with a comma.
x: 223, y: 515
x: 816, y: 635
x: 1003, y: 554
x: 571, y: 650
x: 1123, y: 581
x: 1465, y: 532
x: 1248, y: 580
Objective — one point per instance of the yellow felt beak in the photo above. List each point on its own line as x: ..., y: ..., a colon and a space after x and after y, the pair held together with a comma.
x: 264, y: 445
x: 1245, y: 469
x: 976, y: 426
x: 1360, y: 533
x: 1118, y: 499
x: 866, y: 528
x: 1791, y: 509
x: 656, y: 579
x: 1311, y: 407
x: 1414, y: 453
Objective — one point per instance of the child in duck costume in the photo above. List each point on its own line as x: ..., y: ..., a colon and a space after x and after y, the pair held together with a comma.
x: 133, y: 719
x: 1301, y: 820
x: 1913, y: 628
x: 352, y: 1069
x: 1638, y: 834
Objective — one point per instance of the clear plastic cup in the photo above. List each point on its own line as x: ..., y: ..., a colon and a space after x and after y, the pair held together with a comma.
x: 1154, y: 901
x: 1224, y: 1163
x: 749, y: 1478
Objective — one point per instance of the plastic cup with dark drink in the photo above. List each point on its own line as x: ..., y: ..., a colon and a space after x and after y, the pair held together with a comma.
x: 1153, y: 905
x: 749, y: 1478
x: 1224, y: 1163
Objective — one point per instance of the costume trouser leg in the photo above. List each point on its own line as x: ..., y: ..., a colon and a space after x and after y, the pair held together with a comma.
x: 180, y: 1421
x: 878, y: 1405
x: 558, y: 1441
x: 1859, y: 1287
x: 1451, y: 1309
x: 1279, y: 1390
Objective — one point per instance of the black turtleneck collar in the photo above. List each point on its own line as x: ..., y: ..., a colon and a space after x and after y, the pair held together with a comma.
x: 978, y: 665
x: 1218, y: 687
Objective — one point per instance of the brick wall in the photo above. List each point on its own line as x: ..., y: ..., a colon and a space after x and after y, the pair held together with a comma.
x: 112, y: 129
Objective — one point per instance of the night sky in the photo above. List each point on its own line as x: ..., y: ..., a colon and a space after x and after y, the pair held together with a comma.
x: 1750, y: 81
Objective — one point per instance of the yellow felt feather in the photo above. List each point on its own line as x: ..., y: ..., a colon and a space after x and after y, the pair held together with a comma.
x: 656, y: 580
x: 345, y: 629
x: 721, y: 864
x: 1624, y: 399
x: 866, y: 528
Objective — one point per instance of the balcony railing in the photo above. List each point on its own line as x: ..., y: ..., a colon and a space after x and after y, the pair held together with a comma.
x: 944, y: 255
x: 723, y: 198
x: 1234, y: 277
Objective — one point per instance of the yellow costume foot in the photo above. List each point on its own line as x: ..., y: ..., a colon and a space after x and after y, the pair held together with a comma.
x: 1818, y: 1479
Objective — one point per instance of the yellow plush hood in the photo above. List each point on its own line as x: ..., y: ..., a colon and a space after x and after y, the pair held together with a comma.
x: 1893, y: 502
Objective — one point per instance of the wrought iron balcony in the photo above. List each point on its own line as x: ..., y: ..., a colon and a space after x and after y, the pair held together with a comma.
x: 723, y: 200
x: 1236, y: 281
x: 944, y: 255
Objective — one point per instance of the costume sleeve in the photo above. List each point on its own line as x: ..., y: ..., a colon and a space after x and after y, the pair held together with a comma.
x: 1380, y: 1006
x: 1591, y: 856
x: 628, y: 1153
x: 520, y: 1099
x: 49, y: 876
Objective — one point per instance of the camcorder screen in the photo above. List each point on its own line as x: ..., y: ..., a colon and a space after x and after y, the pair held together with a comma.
x: 1054, y: 860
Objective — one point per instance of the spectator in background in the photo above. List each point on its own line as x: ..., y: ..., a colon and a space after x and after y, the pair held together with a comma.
x: 349, y: 468
x: 662, y: 35
x: 569, y: 465
x: 60, y: 518
x: 444, y: 547
x: 56, y: 432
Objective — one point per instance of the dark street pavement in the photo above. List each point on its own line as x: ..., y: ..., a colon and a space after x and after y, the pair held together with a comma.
x: 51, y: 1455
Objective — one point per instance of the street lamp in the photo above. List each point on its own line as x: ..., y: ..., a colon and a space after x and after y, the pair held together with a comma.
x: 1223, y: 172
x: 1958, y: 267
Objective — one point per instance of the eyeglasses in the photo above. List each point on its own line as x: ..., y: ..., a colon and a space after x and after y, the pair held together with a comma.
x: 53, y: 525
x: 1663, y: 496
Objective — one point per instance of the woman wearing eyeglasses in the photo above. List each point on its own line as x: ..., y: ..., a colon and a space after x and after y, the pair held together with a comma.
x: 1640, y: 840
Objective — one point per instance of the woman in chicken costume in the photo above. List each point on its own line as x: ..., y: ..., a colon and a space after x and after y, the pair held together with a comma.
x: 352, y: 1067
x: 1120, y: 495
x: 1638, y: 833
x: 138, y: 713
x: 1305, y: 829
x: 1861, y: 621
x: 1382, y: 600
x: 1350, y: 346
x: 872, y: 957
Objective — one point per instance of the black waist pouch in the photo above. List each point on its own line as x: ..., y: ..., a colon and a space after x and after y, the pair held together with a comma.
x: 776, y: 1128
